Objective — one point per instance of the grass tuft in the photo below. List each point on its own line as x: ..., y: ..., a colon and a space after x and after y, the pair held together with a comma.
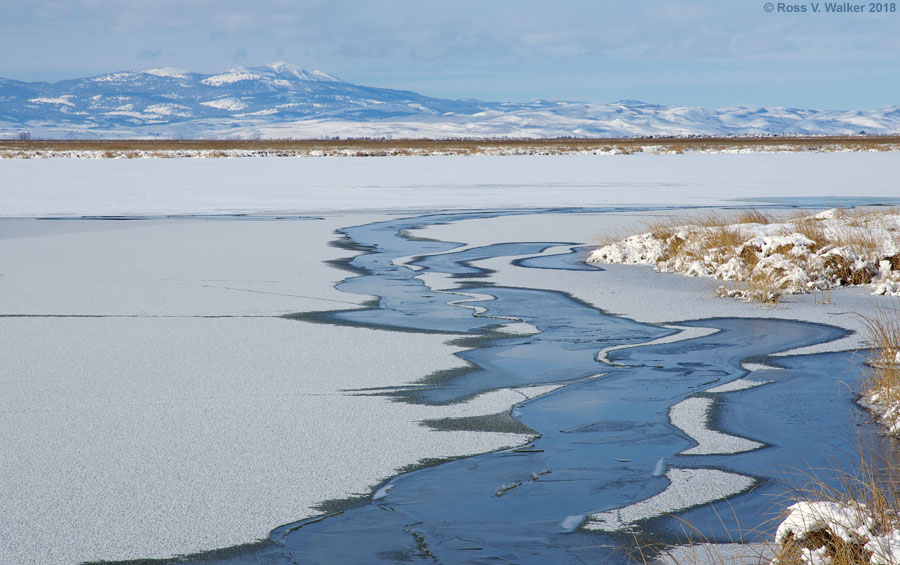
x: 882, y: 384
x: 803, y: 253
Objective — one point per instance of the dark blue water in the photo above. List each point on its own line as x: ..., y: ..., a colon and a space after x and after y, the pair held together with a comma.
x: 572, y: 260
x: 604, y: 438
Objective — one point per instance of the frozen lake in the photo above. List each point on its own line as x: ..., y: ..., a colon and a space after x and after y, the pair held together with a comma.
x: 178, y: 385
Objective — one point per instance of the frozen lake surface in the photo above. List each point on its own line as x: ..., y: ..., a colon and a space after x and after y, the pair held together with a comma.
x: 182, y: 385
x: 611, y: 455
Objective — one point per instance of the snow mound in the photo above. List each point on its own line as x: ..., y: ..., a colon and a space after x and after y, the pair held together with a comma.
x: 851, y: 523
x: 765, y: 260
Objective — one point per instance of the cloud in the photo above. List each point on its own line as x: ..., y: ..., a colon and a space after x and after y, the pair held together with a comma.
x: 150, y: 54
x: 239, y: 55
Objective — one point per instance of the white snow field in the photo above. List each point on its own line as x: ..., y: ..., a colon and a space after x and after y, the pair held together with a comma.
x: 153, y: 402
x: 66, y: 187
x: 181, y: 415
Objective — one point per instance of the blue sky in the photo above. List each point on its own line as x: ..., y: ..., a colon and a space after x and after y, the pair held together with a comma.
x: 687, y: 52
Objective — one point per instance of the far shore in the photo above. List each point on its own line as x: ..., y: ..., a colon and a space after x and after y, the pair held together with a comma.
x: 137, y: 148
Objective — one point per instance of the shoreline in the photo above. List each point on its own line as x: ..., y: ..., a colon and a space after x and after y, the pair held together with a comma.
x: 212, y: 149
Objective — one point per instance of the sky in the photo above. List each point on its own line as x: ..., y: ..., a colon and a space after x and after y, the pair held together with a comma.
x: 712, y: 53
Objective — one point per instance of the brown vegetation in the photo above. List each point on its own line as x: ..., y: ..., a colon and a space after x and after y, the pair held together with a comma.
x: 379, y: 147
x: 883, y: 378
x: 842, y: 248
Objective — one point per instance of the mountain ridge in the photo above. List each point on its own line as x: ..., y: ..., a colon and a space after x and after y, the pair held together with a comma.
x: 284, y: 100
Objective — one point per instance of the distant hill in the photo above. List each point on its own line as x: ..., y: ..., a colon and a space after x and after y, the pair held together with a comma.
x: 281, y: 100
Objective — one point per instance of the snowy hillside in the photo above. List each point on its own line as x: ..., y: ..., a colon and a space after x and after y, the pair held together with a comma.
x: 282, y: 100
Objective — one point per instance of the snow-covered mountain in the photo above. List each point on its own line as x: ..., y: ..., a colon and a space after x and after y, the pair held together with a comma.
x: 282, y: 100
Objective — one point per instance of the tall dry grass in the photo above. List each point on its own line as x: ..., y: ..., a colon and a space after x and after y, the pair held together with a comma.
x: 846, y: 252
x: 753, y: 217
x: 870, y: 493
x: 883, y: 376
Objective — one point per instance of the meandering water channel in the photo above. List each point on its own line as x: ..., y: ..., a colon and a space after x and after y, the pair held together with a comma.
x: 609, y: 465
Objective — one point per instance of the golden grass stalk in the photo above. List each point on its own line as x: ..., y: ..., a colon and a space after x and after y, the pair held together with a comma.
x: 752, y: 217
x: 846, y: 252
x: 883, y: 336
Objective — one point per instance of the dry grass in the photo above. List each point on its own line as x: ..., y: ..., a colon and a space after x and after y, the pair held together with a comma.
x: 715, y: 233
x: 764, y: 288
x: 379, y: 147
x: 752, y: 217
x: 861, y: 241
x: 608, y: 237
x: 662, y: 228
x: 883, y: 336
x: 872, y: 491
x: 837, y: 550
x: 865, y: 217
x: 846, y: 249
x: 812, y: 228
x: 857, y: 234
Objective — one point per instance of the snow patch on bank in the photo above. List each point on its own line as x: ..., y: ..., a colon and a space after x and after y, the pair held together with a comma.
x: 765, y: 259
x: 853, y: 523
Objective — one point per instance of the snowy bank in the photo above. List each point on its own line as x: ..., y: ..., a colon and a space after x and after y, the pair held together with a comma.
x: 831, y: 532
x: 765, y: 259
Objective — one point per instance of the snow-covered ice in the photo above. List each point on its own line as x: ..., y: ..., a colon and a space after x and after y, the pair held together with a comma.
x: 687, y: 488
x: 182, y: 414
x: 691, y: 415
x: 131, y: 415
x: 737, y: 384
x: 72, y: 187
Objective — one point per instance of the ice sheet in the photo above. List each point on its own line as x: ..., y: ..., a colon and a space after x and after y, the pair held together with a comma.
x: 184, y: 432
x: 70, y: 187
x: 184, y: 414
